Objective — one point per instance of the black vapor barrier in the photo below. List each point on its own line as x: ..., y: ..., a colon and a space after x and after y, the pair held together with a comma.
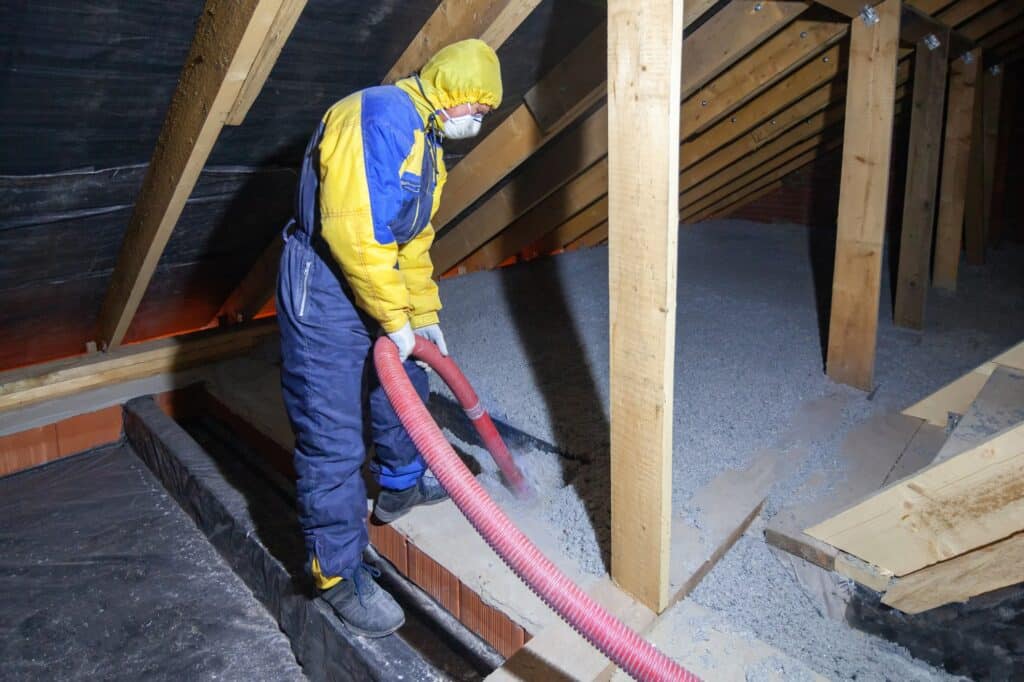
x: 104, y: 577
x: 248, y: 513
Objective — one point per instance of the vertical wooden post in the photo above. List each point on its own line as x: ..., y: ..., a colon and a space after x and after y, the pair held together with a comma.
x: 1007, y: 114
x: 974, y: 202
x: 644, y: 75
x: 863, y: 196
x: 991, y: 109
x: 923, y: 155
x: 955, y: 157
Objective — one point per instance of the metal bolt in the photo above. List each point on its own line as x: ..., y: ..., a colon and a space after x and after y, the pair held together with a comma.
x: 758, y: 7
x: 869, y: 15
x: 967, y: 57
x: 995, y: 69
x: 932, y: 42
x: 772, y: 122
x: 826, y: 59
x: 803, y: 34
x: 732, y: 120
x: 703, y: 102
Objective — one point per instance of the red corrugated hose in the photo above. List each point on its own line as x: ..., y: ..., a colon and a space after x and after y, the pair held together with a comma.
x: 611, y: 636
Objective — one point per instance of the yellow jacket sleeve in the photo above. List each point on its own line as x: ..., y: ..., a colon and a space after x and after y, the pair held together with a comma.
x: 367, y: 258
x: 414, y: 262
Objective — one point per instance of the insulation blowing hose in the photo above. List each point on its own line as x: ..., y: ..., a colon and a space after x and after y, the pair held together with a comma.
x: 640, y: 659
x: 470, y: 403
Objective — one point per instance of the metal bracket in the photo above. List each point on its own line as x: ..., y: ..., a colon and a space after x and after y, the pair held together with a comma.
x: 869, y: 15
x: 932, y: 42
x: 995, y: 69
x: 967, y: 57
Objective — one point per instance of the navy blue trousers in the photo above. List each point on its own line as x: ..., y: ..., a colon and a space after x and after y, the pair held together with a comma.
x: 336, y: 405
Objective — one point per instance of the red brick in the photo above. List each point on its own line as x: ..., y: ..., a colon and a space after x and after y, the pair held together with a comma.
x: 85, y: 431
x: 28, y: 448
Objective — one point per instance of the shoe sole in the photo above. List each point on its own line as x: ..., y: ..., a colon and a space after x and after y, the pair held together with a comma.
x: 370, y: 635
x: 392, y: 517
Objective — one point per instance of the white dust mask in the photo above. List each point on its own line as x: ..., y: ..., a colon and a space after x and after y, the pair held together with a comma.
x: 461, y: 127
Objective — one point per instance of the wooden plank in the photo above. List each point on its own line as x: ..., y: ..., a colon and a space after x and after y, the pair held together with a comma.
x: 955, y: 158
x: 644, y: 61
x: 999, y: 405
x: 736, y: 205
x: 989, y: 21
x: 982, y: 570
x: 974, y: 202
x: 863, y: 198
x: 992, y: 100
x: 761, y: 68
x: 868, y: 453
x: 1007, y: 115
x: 228, y: 37
x: 948, y: 509
x: 454, y: 20
x: 956, y: 397
x: 849, y: 8
x: 67, y: 377
x: 580, y: 80
x: 596, y: 236
x: 574, y: 152
x: 919, y: 201
x: 277, y: 35
x: 762, y: 176
x: 574, y: 228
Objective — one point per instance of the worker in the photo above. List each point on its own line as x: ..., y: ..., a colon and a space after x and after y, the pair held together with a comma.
x: 356, y: 265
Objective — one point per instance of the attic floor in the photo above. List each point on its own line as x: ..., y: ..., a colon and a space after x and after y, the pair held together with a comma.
x: 533, y: 340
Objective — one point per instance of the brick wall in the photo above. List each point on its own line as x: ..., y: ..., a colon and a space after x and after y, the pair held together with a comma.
x: 810, y: 196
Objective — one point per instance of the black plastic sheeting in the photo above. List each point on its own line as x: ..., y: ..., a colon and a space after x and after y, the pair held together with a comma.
x: 982, y: 638
x: 103, y: 576
x: 84, y: 87
x: 252, y: 523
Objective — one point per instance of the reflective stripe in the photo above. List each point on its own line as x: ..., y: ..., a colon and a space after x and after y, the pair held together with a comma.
x: 305, y: 286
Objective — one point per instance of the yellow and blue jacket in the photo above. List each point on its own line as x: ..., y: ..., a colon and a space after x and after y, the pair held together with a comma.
x: 372, y: 179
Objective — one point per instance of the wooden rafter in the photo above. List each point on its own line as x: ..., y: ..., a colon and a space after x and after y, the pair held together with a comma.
x: 452, y: 20
x: 586, y: 145
x: 957, y: 13
x: 230, y: 38
x: 796, y: 42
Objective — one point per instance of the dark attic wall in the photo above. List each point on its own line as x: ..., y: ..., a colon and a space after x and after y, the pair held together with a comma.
x: 83, y: 93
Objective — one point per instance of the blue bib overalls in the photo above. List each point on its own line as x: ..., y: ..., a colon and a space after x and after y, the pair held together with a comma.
x: 333, y: 398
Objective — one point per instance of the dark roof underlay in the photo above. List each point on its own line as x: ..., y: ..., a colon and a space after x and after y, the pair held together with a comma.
x: 84, y: 88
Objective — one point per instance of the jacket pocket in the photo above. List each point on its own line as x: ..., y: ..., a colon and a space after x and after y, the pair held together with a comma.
x: 304, y: 275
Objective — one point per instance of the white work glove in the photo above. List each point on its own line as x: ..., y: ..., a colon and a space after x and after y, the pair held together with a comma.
x: 405, y: 340
x: 432, y: 332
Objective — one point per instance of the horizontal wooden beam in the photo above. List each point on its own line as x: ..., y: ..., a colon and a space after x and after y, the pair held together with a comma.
x: 29, y: 385
x: 229, y: 36
x: 955, y: 580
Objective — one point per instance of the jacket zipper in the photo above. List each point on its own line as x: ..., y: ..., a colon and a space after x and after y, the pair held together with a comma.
x: 305, y: 287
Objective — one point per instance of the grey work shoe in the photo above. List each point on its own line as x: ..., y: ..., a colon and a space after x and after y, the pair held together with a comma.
x: 394, y: 504
x: 364, y: 606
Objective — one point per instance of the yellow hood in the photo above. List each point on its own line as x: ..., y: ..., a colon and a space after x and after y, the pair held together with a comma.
x: 466, y: 71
